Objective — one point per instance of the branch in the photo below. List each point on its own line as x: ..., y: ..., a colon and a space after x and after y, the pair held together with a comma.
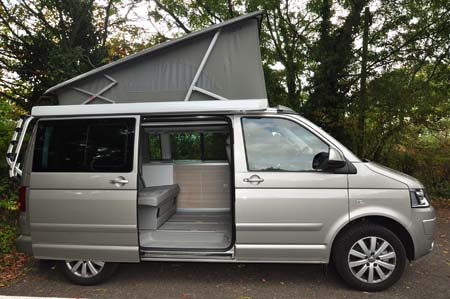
x: 177, y: 20
x: 276, y: 41
x: 210, y: 12
x: 105, y: 23
x: 40, y: 15
x: 10, y: 97
x: 5, y: 10
x: 230, y: 8
x: 410, y: 40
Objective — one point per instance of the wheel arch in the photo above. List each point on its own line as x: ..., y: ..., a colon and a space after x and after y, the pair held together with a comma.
x: 397, y: 228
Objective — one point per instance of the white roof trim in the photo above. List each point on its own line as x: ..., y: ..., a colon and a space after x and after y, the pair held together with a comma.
x: 152, y: 108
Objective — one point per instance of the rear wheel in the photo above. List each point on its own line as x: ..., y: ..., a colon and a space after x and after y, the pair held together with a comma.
x: 85, y: 272
x: 369, y: 257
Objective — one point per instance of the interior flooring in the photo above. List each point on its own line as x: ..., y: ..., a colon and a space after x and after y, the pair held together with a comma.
x: 191, y: 229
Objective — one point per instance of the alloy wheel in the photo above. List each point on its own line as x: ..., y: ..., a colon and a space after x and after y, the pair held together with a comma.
x: 85, y: 269
x: 372, y: 259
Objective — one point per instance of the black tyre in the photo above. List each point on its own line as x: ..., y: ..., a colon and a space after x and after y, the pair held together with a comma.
x: 87, y: 272
x: 369, y: 257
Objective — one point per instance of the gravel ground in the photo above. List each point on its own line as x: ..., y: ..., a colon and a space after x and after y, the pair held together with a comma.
x: 428, y: 277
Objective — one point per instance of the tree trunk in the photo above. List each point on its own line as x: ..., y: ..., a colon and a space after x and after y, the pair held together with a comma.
x: 363, y: 93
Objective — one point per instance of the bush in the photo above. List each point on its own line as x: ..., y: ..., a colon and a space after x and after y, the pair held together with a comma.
x: 9, y: 113
x: 426, y: 158
x: 8, y: 216
x: 8, y: 235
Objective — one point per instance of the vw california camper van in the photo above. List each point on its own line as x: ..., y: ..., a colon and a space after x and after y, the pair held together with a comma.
x: 172, y: 154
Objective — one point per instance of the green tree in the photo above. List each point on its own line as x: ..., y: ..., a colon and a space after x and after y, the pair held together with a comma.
x: 45, y: 42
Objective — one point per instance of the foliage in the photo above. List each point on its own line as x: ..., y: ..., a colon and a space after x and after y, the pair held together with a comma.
x: 426, y: 159
x: 8, y: 235
x: 45, y: 42
x: 8, y: 217
x: 8, y: 199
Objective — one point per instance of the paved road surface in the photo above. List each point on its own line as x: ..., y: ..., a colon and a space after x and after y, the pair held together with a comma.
x: 428, y: 277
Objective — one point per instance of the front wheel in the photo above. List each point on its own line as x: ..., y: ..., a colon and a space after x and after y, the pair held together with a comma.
x: 85, y: 272
x: 369, y: 257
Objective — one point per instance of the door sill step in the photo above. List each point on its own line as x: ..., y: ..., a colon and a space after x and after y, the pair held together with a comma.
x: 186, y: 255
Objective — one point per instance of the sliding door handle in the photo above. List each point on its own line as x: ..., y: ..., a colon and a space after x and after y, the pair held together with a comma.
x: 254, y: 179
x: 119, y: 181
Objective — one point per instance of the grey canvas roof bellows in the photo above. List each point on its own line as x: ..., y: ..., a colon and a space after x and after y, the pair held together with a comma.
x: 222, y: 62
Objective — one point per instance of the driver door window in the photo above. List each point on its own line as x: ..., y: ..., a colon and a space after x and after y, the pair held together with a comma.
x: 277, y: 144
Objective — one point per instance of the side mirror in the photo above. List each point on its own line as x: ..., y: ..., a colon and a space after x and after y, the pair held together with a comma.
x: 329, y: 161
x: 335, y: 159
x: 320, y: 161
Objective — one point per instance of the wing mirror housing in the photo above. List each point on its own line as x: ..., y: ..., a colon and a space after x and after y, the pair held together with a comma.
x: 335, y: 159
x: 329, y: 161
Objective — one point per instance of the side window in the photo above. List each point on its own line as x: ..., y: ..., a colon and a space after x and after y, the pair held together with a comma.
x: 201, y: 146
x: 214, y: 146
x: 186, y: 146
x: 87, y: 145
x: 276, y: 144
x: 155, y: 152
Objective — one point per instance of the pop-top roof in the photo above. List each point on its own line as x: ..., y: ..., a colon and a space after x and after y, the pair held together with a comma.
x: 219, y: 63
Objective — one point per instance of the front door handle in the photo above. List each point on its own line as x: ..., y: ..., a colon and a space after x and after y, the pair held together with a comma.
x: 254, y: 179
x: 119, y: 181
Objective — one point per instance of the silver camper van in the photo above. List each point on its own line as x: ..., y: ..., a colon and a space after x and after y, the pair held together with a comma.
x: 172, y: 154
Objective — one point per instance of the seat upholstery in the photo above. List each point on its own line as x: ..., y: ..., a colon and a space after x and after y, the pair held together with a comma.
x: 156, y: 204
x: 156, y: 196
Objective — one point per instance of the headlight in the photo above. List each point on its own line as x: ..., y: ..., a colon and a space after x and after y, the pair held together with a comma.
x: 419, y: 198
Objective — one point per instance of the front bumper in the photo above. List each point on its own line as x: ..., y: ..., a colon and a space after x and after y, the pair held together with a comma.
x: 423, y: 229
x: 23, y: 244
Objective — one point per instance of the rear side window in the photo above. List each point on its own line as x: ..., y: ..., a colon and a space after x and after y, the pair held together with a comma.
x: 84, y: 145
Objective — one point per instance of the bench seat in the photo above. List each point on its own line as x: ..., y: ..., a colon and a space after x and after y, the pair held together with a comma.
x: 156, y: 196
x: 156, y: 205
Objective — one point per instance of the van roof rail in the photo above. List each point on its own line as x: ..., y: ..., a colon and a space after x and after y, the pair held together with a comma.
x: 284, y: 109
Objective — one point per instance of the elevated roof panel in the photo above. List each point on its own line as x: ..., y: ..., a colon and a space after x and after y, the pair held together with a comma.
x: 154, y: 50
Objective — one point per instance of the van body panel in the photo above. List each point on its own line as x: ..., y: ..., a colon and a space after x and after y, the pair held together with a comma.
x: 390, y: 203
x: 81, y: 181
x: 85, y: 215
x: 409, y: 181
x: 269, y: 218
x: 395, y: 205
x: 368, y: 178
x: 314, y: 253
x: 283, y: 217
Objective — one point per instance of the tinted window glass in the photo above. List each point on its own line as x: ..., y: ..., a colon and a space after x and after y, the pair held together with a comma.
x: 214, y: 146
x: 88, y: 145
x: 275, y: 144
x: 198, y: 146
x: 186, y: 146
